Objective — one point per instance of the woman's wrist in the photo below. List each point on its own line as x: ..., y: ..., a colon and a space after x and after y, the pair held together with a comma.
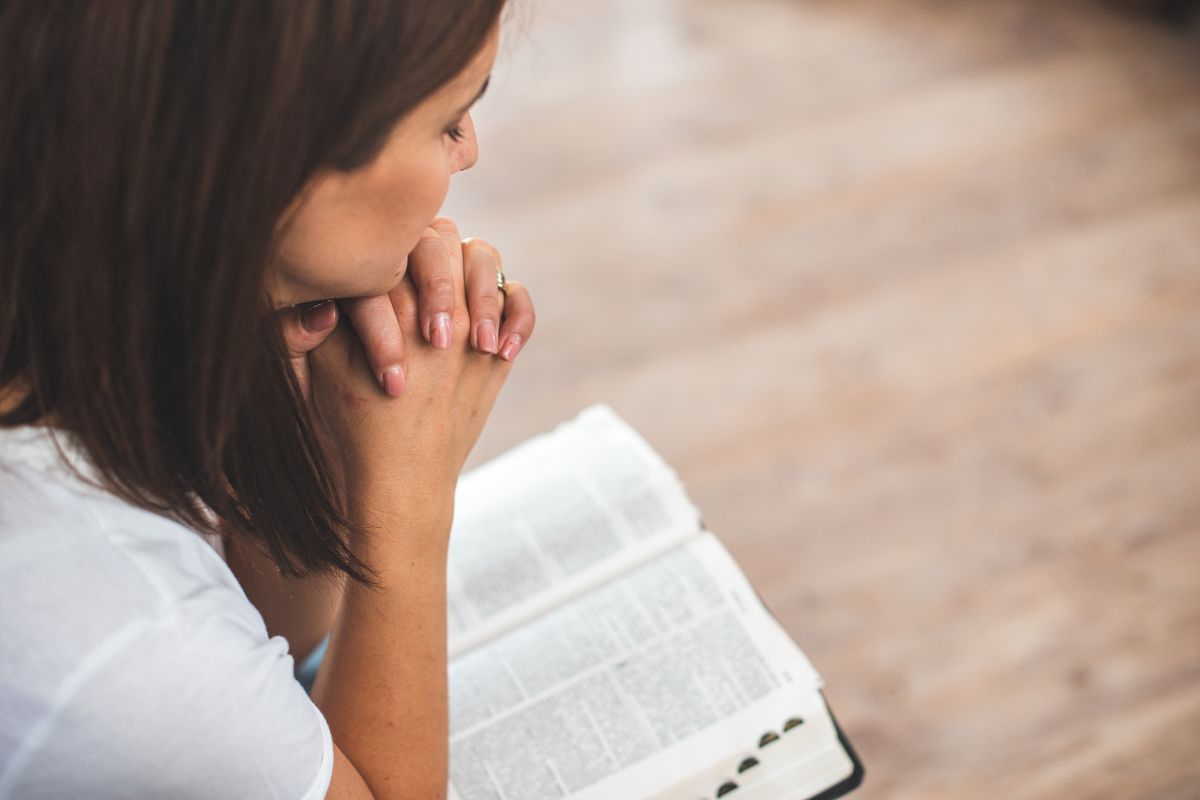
x: 395, y: 519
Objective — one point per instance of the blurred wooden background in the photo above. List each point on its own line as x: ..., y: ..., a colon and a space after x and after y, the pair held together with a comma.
x: 908, y: 291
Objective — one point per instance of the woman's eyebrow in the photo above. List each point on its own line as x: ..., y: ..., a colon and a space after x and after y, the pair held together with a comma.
x: 478, y: 95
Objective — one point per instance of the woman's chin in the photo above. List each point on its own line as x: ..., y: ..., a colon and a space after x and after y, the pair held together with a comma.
x: 373, y: 282
x: 381, y: 286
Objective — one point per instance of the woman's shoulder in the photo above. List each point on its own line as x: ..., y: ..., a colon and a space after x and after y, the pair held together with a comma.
x: 122, y: 634
x: 56, y: 518
x: 78, y: 565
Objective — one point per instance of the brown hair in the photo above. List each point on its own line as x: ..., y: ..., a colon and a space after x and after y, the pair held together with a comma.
x: 147, y: 151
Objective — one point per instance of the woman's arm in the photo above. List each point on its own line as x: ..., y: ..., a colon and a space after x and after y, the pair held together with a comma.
x: 382, y: 684
x: 303, y: 611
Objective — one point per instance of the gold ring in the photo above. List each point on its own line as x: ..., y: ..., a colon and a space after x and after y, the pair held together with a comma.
x: 500, y: 280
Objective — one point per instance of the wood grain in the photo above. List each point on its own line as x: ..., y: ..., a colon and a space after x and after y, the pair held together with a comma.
x: 908, y: 292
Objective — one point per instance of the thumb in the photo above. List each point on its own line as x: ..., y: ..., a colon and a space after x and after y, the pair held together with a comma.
x: 304, y: 328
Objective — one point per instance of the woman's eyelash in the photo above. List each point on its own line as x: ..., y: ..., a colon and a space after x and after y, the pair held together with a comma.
x: 456, y: 133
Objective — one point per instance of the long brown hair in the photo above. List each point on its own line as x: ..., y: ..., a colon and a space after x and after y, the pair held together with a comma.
x: 147, y: 151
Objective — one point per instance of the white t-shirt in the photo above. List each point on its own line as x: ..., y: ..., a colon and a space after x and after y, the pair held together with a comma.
x: 131, y: 663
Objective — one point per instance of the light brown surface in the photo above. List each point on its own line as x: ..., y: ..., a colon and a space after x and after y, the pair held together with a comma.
x: 909, y: 293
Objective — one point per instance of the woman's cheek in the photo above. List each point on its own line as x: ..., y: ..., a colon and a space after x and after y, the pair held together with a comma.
x: 357, y: 242
x: 437, y: 187
x: 416, y: 198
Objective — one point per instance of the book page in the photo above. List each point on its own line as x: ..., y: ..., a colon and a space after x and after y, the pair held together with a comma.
x: 555, y: 516
x: 585, y: 698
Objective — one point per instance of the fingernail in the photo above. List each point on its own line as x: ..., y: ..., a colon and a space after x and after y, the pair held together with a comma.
x: 392, y: 380
x: 487, y: 336
x: 511, y: 345
x: 441, y: 331
x: 317, y: 318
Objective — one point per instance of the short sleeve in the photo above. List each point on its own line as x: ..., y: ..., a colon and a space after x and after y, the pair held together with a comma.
x: 197, y: 703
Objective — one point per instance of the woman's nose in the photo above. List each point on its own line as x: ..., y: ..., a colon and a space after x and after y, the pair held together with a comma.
x: 466, y: 152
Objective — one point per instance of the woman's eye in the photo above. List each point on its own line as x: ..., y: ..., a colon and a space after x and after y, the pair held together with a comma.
x: 456, y: 133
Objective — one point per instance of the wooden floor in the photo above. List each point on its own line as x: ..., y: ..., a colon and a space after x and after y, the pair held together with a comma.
x: 909, y: 293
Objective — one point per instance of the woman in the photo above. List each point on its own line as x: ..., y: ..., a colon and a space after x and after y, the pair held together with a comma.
x: 182, y: 185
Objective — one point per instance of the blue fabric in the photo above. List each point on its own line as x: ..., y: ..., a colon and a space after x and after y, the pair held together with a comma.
x: 306, y: 671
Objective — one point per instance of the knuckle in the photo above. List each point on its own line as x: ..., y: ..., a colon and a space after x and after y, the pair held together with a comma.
x: 443, y: 225
x: 521, y: 305
x: 460, y: 323
x: 487, y: 310
x: 386, y: 350
x: 485, y: 296
x: 428, y: 245
x: 479, y: 248
x: 376, y: 325
x: 524, y: 322
x: 438, y: 290
x: 407, y: 313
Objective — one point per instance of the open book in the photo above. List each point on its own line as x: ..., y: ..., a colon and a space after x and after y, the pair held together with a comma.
x: 604, y: 645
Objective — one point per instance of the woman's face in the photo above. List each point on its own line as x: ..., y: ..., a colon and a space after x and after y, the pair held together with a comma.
x: 350, y: 234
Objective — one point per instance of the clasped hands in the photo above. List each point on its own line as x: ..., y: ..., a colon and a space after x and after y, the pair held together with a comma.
x: 445, y: 274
